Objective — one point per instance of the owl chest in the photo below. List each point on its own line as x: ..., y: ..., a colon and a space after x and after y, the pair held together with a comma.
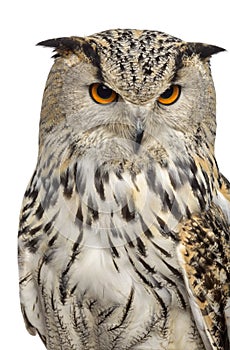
x: 115, y: 207
x: 110, y: 274
x: 116, y: 254
x: 122, y: 230
x: 127, y: 294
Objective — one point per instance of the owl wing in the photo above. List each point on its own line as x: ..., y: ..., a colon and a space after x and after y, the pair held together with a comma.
x: 225, y: 187
x: 204, y: 255
x: 28, y: 237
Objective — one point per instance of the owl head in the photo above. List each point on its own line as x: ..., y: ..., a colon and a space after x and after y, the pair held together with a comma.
x: 137, y: 86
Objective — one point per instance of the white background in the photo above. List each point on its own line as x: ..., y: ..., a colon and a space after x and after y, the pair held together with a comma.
x: 24, y: 69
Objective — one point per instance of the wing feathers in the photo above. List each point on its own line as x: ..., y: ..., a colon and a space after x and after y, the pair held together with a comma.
x: 204, y: 255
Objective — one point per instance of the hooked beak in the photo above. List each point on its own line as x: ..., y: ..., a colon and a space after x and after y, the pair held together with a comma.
x: 139, y: 135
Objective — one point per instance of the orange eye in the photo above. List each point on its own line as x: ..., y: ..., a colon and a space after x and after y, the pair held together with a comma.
x: 102, y: 94
x: 170, y: 96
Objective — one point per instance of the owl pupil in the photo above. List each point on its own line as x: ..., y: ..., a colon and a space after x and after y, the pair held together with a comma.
x: 104, y: 92
x: 168, y: 93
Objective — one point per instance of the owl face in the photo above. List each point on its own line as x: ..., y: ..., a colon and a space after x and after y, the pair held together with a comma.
x: 134, y: 85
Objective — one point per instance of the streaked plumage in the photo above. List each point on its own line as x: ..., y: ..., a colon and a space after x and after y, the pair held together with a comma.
x: 124, y: 229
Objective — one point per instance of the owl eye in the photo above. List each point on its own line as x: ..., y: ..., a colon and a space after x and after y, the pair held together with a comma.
x: 170, y: 96
x: 102, y: 94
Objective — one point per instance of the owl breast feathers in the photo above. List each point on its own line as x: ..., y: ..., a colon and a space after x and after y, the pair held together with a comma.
x: 124, y: 228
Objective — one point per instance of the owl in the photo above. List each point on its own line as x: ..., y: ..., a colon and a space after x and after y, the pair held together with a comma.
x: 124, y: 228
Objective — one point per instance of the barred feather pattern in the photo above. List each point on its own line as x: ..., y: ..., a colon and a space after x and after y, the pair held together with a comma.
x: 84, y: 238
x: 125, y: 244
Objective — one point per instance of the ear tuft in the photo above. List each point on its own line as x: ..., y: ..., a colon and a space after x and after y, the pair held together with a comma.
x: 74, y: 44
x: 203, y: 50
x: 63, y: 44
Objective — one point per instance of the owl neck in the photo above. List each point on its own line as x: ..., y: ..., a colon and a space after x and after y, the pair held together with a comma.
x: 169, y: 155
x: 106, y: 186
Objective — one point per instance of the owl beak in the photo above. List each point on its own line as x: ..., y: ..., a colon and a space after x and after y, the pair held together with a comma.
x: 139, y: 134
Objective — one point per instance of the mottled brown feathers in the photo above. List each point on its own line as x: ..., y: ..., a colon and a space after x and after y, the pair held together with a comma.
x: 124, y: 228
x: 205, y: 250
x: 75, y: 44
